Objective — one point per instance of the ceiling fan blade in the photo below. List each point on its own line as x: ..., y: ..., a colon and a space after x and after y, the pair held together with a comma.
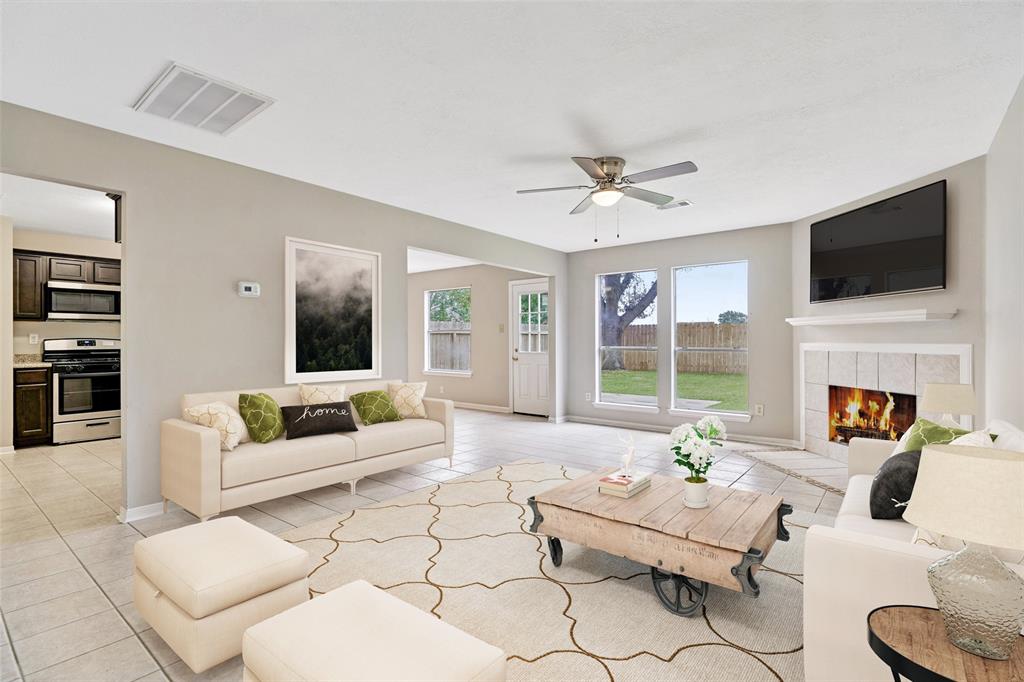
x: 582, y: 206
x: 550, y: 189
x: 646, y: 195
x: 663, y: 172
x: 674, y: 204
x: 590, y: 167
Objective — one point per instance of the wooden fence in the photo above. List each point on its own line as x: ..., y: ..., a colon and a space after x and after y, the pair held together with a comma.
x: 702, y: 347
x: 448, y: 345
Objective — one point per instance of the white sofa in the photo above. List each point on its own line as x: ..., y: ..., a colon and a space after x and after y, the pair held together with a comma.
x: 858, y: 565
x: 206, y: 481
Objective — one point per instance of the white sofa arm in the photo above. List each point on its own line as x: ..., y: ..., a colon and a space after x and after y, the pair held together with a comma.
x: 190, y: 466
x: 865, y: 455
x: 443, y: 411
x: 846, y: 575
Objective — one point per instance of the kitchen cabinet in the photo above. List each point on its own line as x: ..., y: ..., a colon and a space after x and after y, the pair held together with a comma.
x: 69, y: 269
x: 32, y: 412
x: 106, y: 272
x: 29, y: 277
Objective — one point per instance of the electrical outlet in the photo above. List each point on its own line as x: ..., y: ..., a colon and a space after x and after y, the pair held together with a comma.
x: 758, y: 410
x: 33, y: 339
x: 587, y: 396
x: 440, y: 389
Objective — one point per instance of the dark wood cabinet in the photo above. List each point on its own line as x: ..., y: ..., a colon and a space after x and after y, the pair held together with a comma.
x: 29, y: 277
x: 69, y: 269
x: 32, y: 270
x: 106, y: 272
x: 32, y: 407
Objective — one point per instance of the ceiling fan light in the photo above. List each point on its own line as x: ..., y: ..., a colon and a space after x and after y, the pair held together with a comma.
x: 606, y: 197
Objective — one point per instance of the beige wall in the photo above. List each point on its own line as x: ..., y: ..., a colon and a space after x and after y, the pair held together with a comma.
x: 489, y: 356
x: 6, y: 335
x: 1004, y: 267
x: 964, y: 280
x: 767, y: 249
x: 59, y: 330
x: 194, y: 226
x: 68, y: 244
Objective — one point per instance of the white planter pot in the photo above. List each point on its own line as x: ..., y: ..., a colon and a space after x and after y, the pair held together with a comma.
x: 695, y: 495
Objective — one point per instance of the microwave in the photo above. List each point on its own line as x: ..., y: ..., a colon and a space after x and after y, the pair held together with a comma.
x: 82, y: 301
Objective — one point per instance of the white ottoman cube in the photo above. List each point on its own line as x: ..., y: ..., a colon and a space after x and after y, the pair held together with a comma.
x: 201, y: 586
x: 359, y: 632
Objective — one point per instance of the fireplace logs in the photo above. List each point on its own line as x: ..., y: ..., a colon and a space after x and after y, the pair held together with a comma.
x: 866, y: 413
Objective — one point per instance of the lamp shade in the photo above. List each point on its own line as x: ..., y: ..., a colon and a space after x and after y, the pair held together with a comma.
x: 949, y: 399
x: 974, y: 494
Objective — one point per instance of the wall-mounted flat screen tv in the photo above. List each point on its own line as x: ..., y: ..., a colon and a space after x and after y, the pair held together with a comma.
x: 889, y: 247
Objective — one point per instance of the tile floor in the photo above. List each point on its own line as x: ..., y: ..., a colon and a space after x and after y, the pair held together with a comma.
x: 66, y: 562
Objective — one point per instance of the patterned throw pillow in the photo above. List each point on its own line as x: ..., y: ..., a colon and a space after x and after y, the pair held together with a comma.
x: 220, y: 416
x: 408, y: 399
x: 318, y: 395
x: 375, y: 407
x: 925, y: 432
x: 262, y: 416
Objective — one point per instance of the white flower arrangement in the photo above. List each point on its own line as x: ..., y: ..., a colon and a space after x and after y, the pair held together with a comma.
x: 693, y: 446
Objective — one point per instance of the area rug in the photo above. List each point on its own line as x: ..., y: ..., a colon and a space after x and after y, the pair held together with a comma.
x: 461, y: 550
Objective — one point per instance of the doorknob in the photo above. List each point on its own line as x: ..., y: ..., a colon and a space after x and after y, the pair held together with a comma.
x: 515, y: 355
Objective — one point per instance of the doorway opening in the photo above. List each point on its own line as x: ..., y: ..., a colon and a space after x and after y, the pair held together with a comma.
x: 465, y: 336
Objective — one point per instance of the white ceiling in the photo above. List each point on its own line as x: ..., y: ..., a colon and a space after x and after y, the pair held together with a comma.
x: 421, y: 260
x: 445, y: 108
x: 52, y: 207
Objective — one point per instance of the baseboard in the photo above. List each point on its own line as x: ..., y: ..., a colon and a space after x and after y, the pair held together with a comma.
x: 760, y: 440
x: 558, y: 420
x: 484, y: 408
x: 6, y: 449
x: 138, y: 513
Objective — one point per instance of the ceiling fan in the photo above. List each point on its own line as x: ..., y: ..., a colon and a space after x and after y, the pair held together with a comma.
x: 610, y: 184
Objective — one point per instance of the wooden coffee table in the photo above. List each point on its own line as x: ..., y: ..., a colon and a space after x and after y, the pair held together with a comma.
x: 687, y: 549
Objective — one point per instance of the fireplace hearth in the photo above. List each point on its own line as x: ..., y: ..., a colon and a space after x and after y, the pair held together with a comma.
x: 866, y: 413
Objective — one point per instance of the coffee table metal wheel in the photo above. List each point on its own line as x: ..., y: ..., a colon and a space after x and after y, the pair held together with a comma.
x: 681, y: 595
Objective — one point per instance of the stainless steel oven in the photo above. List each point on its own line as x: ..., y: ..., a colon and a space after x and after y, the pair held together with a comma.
x: 86, y: 388
x: 82, y: 301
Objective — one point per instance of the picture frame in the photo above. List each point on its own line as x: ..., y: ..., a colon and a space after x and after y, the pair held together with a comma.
x: 332, y: 312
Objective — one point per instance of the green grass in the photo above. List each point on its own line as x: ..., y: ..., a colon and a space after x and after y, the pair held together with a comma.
x: 729, y: 389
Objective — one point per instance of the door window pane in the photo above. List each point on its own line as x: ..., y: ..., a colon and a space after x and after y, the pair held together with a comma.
x: 628, y: 333
x: 711, y: 337
x: 533, y: 323
x: 449, y: 330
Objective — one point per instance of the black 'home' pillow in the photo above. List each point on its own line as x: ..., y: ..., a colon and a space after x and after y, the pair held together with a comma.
x: 313, y: 420
x: 893, y: 485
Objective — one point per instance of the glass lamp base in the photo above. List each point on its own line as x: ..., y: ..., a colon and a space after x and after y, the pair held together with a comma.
x: 981, y: 600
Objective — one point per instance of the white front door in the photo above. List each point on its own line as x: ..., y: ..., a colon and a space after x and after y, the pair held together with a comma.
x: 528, y: 324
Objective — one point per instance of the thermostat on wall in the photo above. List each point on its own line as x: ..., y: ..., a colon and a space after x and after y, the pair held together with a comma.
x: 249, y: 289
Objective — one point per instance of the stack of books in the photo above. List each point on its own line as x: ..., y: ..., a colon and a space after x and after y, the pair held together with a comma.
x: 622, y: 485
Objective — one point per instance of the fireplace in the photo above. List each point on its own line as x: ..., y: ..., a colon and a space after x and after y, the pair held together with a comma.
x: 866, y: 413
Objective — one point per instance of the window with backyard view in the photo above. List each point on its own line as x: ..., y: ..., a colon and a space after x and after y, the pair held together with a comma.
x: 710, y: 320
x: 628, y: 331
x: 448, y: 330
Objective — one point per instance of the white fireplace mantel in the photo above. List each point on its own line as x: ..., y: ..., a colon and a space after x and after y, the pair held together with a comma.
x: 886, y: 317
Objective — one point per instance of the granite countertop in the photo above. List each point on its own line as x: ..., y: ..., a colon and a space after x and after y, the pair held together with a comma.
x: 28, y: 361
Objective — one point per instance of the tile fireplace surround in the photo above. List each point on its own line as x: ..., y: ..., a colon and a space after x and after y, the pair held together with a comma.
x: 899, y: 368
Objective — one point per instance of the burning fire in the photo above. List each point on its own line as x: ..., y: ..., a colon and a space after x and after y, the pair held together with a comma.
x: 869, y: 417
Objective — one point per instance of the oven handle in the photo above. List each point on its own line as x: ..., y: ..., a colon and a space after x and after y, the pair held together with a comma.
x: 87, y: 374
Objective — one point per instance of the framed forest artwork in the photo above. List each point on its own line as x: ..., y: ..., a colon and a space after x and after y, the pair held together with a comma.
x: 332, y: 312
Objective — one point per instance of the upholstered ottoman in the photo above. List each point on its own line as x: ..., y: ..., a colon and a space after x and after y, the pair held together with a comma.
x: 359, y: 632
x: 201, y: 586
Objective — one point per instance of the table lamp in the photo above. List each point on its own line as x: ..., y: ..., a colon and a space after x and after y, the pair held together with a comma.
x: 949, y: 399
x: 976, y: 495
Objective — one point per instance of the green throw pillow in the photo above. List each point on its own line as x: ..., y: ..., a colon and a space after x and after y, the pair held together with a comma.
x: 375, y: 407
x: 262, y: 416
x: 925, y: 432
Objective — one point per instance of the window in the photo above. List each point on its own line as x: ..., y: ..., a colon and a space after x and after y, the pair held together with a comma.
x: 533, y: 322
x: 627, y: 328
x: 448, y: 330
x: 711, y: 337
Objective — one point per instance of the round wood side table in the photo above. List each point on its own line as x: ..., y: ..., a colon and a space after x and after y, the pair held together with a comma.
x: 912, y: 641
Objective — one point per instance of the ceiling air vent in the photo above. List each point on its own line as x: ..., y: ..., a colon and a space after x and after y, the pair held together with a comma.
x: 190, y: 97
